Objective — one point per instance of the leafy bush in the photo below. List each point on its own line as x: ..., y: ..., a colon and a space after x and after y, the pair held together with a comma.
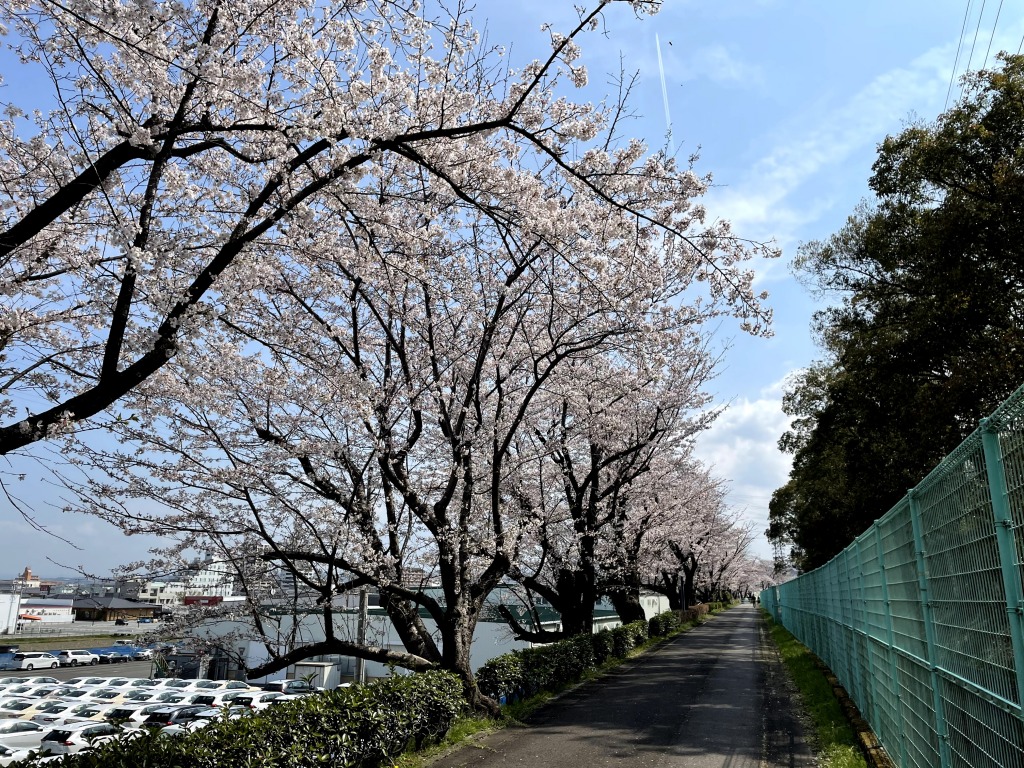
x: 501, y: 676
x: 358, y: 726
x: 663, y: 624
x: 603, y: 645
x: 629, y: 636
x: 694, y: 614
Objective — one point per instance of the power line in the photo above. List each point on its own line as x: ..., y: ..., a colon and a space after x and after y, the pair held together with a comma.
x: 977, y: 28
x: 959, y: 47
x: 993, y: 35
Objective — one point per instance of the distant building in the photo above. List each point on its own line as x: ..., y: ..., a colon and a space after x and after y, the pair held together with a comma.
x: 210, y: 578
x: 111, y: 608
x: 47, y: 610
x: 163, y: 593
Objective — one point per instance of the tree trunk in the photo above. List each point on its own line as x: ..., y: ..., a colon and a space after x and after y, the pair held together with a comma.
x: 627, y: 605
x: 457, y: 641
x: 576, y: 604
x: 689, y: 589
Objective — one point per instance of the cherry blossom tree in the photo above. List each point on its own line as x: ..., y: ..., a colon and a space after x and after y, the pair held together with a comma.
x: 183, y: 143
x: 327, y: 261
x: 611, y: 423
x: 696, y: 561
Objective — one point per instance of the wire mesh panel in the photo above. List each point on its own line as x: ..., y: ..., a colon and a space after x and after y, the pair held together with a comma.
x: 981, y: 733
x: 922, y: 617
x: 916, y: 695
x: 900, y: 562
x: 965, y: 581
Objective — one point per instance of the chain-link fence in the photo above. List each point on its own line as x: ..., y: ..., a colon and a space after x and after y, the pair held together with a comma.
x: 922, y: 617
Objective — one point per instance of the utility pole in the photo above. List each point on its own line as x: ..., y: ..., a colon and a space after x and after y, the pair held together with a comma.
x: 364, y: 607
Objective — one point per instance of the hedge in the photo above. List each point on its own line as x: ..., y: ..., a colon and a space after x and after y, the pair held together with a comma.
x: 524, y: 673
x: 359, y: 727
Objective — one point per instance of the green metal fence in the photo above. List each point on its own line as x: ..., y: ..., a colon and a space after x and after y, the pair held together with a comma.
x: 922, y: 617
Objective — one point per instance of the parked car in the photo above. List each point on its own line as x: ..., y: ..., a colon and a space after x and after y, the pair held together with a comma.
x: 34, y: 660
x: 74, y: 737
x: 203, y: 719
x: 75, y: 657
x: 113, y: 657
x: 256, y: 700
x: 65, y: 709
x: 76, y: 710
x: 145, y: 684
x: 142, y: 654
x: 120, y: 623
x: 173, y: 715
x: 175, y: 683
x: 141, y: 695
x: 19, y: 680
x: 25, y: 708
x: 109, y: 695
x: 133, y: 715
x: 21, y: 733
x: 291, y: 686
x: 120, y: 682
x: 214, y: 698
x: 9, y: 755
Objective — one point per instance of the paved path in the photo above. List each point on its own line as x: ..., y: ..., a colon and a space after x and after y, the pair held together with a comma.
x: 707, y: 699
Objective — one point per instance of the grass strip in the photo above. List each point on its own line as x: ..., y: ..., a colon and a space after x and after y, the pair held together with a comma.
x: 833, y: 735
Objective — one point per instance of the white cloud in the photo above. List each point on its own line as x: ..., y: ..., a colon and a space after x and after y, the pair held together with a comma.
x: 715, y: 63
x: 818, y: 141
x: 741, y: 447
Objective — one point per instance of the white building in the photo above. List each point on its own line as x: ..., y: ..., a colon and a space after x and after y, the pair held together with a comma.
x: 47, y: 610
x: 211, y: 579
x: 10, y: 603
x: 165, y: 593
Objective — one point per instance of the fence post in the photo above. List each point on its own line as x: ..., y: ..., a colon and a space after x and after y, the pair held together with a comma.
x: 891, y: 641
x: 929, y: 629
x: 1007, y: 549
x: 865, y: 670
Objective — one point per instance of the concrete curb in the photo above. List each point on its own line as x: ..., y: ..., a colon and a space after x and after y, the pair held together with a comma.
x: 873, y: 750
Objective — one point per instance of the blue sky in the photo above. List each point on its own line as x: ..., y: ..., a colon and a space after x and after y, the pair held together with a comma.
x: 786, y: 102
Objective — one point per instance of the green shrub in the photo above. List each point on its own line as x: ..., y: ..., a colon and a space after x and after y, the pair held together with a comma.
x: 501, y: 676
x: 663, y: 624
x: 358, y: 726
x: 603, y: 646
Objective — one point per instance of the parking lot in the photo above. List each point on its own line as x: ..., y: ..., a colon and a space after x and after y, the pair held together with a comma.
x: 131, y: 669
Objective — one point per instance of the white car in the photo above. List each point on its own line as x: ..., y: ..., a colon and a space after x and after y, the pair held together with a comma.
x: 35, y: 660
x: 35, y: 707
x: 63, y: 710
x: 74, y: 737
x: 203, y: 719
x: 176, y: 683
x: 145, y: 684
x: 256, y: 700
x: 223, y: 685
x: 9, y: 755
x: 21, y: 733
x: 133, y: 715
x: 215, y: 698
x: 109, y: 695
x: 78, y: 656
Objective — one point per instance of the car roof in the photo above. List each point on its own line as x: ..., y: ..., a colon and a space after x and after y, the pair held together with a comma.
x: 79, y: 726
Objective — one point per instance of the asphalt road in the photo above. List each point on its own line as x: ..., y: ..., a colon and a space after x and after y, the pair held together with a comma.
x: 131, y: 669
x: 710, y: 698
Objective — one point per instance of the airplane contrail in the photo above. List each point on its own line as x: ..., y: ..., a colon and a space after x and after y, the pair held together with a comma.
x: 664, y: 91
